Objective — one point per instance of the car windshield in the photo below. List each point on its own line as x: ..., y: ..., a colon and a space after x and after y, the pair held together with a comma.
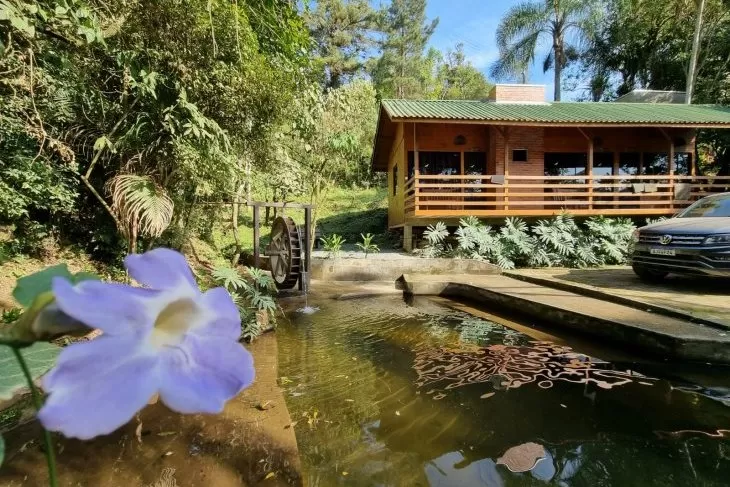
x: 713, y: 206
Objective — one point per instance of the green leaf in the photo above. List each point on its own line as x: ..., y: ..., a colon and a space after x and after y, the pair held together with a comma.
x: 40, y: 358
x: 28, y: 287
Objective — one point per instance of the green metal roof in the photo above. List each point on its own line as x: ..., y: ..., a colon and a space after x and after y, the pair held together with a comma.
x: 608, y: 113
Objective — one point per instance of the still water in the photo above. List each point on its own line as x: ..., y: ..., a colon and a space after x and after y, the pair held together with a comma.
x: 388, y: 393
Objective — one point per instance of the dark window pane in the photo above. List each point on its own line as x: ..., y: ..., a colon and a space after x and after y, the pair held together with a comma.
x: 475, y: 163
x: 628, y: 164
x: 411, y: 165
x: 656, y: 163
x: 566, y: 164
x: 682, y: 163
x: 519, y: 155
x: 439, y: 163
x: 603, y: 163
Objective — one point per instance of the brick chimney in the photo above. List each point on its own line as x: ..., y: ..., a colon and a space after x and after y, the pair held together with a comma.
x: 517, y: 94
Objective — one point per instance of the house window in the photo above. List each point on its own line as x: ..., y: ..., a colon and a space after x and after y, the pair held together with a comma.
x: 682, y: 163
x: 519, y: 155
x: 628, y: 163
x: 439, y: 163
x: 656, y: 163
x: 566, y: 163
x: 475, y: 163
x: 395, y: 179
x: 603, y: 164
x: 411, y: 165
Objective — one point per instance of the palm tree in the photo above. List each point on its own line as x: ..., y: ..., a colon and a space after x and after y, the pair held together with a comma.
x: 525, y: 24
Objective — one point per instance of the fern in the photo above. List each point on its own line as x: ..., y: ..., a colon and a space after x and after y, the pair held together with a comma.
x: 141, y: 204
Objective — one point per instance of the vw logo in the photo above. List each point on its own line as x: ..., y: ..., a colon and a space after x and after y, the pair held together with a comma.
x: 665, y: 239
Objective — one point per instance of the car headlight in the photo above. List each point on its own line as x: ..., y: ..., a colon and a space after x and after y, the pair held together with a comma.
x: 635, y: 236
x: 717, y: 239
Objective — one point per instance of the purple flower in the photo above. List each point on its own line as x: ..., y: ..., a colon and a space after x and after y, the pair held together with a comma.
x: 167, y: 338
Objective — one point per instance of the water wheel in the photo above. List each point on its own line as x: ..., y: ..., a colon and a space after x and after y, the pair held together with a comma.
x: 285, y: 252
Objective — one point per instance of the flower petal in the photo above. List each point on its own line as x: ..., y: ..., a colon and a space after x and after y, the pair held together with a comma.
x: 225, y: 318
x: 160, y: 269
x: 203, y: 373
x: 115, y: 309
x: 98, y: 386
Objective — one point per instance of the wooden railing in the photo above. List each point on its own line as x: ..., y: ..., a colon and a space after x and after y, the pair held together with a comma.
x: 443, y: 196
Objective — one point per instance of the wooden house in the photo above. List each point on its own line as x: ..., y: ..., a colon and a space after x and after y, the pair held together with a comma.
x: 517, y: 155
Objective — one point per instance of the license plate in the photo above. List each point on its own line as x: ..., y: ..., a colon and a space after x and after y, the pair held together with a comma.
x: 669, y: 252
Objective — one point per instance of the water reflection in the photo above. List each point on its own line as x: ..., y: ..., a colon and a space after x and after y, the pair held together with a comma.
x: 371, y: 369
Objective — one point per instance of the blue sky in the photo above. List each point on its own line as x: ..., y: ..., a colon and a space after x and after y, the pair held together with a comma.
x: 474, y: 22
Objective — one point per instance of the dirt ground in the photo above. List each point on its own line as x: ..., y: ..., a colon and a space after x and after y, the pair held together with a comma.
x: 707, y: 298
x: 250, y: 443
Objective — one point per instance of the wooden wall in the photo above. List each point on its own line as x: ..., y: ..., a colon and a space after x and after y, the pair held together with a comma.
x: 441, y: 137
x: 396, y: 213
x: 566, y: 139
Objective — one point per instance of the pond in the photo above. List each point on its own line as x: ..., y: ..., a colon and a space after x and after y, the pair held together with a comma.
x: 384, y: 392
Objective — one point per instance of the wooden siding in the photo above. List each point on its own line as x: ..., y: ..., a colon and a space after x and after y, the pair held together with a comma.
x: 396, y: 198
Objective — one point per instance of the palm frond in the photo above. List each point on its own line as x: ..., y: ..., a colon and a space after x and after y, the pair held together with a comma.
x: 140, y: 202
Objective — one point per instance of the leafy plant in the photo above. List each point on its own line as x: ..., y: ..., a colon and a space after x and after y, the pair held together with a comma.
x: 252, y: 291
x: 559, y: 241
x: 367, y: 244
x: 142, y: 206
x: 435, y: 236
x: 333, y: 244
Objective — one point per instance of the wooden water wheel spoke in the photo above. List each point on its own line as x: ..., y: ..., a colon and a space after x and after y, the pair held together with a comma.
x: 284, y: 253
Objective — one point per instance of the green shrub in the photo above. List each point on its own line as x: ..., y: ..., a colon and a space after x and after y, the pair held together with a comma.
x: 367, y: 244
x: 253, y: 292
x: 333, y: 244
x: 559, y: 241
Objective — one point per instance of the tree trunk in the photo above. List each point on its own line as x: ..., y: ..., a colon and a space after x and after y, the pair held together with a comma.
x: 692, y: 69
x: 235, y: 210
x: 558, y: 59
x: 248, y: 183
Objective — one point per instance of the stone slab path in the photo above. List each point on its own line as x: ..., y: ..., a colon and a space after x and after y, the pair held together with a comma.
x: 662, y: 335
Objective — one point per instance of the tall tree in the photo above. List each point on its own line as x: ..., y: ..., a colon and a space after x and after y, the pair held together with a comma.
x: 399, y: 72
x: 456, y: 79
x: 567, y: 23
x: 692, y: 69
x: 341, y: 31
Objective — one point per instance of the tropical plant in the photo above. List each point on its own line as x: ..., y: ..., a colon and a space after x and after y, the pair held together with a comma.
x: 142, y: 207
x: 436, y: 245
x: 367, y: 244
x: 559, y: 241
x: 566, y: 23
x: 333, y: 244
x: 253, y: 292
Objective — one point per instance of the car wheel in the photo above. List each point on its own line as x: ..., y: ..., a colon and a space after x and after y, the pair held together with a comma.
x: 648, y: 275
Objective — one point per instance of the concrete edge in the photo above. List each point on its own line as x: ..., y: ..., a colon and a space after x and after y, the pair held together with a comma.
x: 594, y: 292
x: 661, y: 345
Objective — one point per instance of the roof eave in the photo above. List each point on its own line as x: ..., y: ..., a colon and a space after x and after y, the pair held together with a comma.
x: 533, y: 123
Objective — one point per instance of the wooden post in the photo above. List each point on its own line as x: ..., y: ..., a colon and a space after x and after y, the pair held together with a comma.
x: 616, y: 172
x: 407, y: 238
x: 416, y: 169
x: 671, y: 165
x: 589, y: 169
x: 256, y: 250
x: 505, y: 135
x: 308, y: 235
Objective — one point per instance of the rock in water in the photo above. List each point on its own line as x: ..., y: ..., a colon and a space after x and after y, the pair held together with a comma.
x: 522, y: 458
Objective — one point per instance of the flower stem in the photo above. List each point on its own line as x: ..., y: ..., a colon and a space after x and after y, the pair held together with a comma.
x: 50, y: 454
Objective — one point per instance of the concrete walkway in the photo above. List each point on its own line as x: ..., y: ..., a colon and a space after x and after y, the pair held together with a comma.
x: 663, y: 336
x: 697, y: 299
